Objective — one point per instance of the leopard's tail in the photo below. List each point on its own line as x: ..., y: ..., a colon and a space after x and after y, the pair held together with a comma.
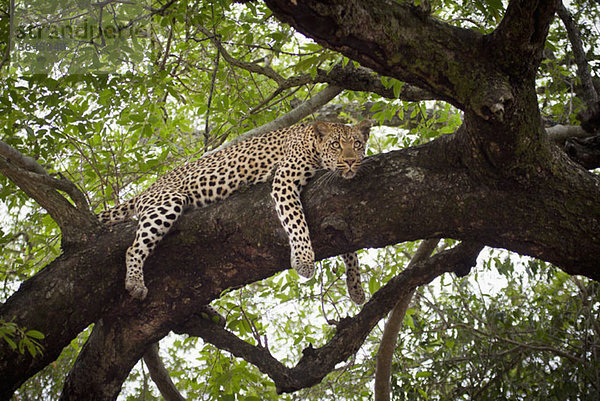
x: 119, y: 213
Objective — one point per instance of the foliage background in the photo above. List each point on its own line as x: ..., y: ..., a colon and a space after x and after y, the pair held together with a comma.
x: 186, y: 76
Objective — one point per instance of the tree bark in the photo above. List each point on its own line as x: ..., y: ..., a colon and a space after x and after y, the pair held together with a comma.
x: 498, y: 180
x: 75, y: 222
x: 583, y: 69
x: 160, y: 375
x: 239, y: 241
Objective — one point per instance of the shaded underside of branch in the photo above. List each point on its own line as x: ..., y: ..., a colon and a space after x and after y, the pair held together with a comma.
x: 316, y: 363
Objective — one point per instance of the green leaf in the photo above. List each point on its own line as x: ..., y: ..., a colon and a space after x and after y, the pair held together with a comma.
x: 10, y: 342
x: 35, y: 334
x: 374, y: 285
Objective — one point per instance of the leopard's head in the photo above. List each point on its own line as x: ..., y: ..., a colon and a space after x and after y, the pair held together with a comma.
x: 342, y: 147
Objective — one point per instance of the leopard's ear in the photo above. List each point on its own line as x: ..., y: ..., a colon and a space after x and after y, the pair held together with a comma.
x: 364, y: 127
x: 321, y: 129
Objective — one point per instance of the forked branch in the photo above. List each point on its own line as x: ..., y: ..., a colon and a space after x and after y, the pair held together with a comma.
x: 28, y: 175
x: 316, y: 363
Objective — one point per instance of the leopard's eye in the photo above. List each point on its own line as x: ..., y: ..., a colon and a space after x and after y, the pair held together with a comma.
x: 335, y: 145
x: 358, y: 145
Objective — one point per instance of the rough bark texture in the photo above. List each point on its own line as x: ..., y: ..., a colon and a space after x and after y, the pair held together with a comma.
x: 497, y: 180
x: 239, y: 240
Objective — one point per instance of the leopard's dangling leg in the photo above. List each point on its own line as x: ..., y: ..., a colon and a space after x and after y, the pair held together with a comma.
x: 155, y: 221
x: 285, y: 191
x: 355, y: 290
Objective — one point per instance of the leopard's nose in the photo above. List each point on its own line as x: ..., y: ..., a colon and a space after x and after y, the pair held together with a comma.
x: 349, y: 162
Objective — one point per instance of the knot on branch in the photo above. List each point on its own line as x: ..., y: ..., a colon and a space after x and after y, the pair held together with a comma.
x: 335, y: 223
x: 309, y: 351
x: 495, y: 103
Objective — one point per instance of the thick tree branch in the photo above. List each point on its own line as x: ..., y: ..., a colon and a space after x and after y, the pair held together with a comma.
x: 580, y: 142
x: 239, y: 240
x: 585, y: 151
x: 387, y: 346
x: 549, y: 210
x: 315, y: 364
x: 397, y: 40
x: 12, y: 158
x: 469, y: 70
x: 519, y: 40
x: 365, y: 80
x: 28, y: 175
x: 590, y: 118
x: 560, y: 133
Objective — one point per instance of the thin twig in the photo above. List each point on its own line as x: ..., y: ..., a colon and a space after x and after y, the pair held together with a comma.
x: 212, y: 88
x: 291, y: 117
x: 160, y: 375
x: 167, y: 49
x: 392, y: 327
x: 252, y: 67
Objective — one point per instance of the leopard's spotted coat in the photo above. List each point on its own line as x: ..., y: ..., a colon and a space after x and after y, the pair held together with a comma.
x: 295, y: 154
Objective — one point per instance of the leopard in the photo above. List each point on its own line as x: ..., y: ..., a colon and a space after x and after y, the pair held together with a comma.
x: 289, y: 156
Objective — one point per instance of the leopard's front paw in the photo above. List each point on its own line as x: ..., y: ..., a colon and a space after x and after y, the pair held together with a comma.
x: 136, y: 289
x: 304, y: 266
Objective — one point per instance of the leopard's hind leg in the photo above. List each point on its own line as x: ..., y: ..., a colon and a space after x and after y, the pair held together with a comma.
x: 119, y: 213
x: 154, y: 222
x: 353, y: 283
